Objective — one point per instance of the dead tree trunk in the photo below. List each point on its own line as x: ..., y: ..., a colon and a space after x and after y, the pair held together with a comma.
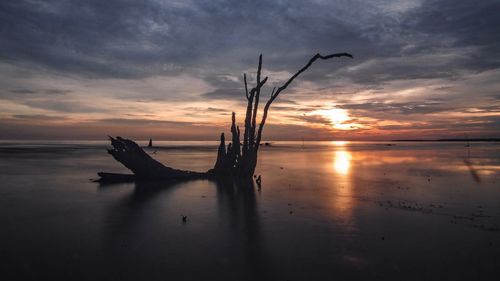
x: 240, y: 164
x: 143, y: 167
x: 233, y: 162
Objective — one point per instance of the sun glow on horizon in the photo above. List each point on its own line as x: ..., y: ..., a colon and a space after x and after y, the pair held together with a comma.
x: 338, y: 118
x: 336, y: 115
x: 339, y: 143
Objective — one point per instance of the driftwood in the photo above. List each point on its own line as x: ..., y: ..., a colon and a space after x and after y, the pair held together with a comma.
x: 144, y: 167
x: 233, y: 162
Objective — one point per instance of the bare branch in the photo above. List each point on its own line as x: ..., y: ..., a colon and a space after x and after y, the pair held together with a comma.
x: 263, y: 122
x: 246, y: 85
x: 259, y: 68
x: 247, y: 120
x: 251, y: 135
x: 311, y: 61
x: 248, y: 117
x: 290, y: 80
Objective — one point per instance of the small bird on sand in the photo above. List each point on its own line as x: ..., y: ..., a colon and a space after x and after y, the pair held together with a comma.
x: 184, y: 219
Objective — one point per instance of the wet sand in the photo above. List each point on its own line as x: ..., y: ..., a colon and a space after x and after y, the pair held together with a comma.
x: 326, y: 211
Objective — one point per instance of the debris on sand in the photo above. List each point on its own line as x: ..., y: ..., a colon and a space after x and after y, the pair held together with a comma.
x: 259, y: 181
x: 485, y: 227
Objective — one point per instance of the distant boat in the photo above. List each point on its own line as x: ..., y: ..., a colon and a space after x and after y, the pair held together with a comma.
x: 467, y: 140
x: 150, y: 143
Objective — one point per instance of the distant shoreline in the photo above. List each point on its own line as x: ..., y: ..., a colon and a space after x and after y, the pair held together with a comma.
x: 457, y: 140
x: 271, y: 141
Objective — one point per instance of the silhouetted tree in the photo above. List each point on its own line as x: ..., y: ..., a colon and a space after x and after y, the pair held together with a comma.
x: 233, y: 162
x: 241, y: 162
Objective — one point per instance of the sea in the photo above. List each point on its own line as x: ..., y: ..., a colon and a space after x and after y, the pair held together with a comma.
x: 323, y: 211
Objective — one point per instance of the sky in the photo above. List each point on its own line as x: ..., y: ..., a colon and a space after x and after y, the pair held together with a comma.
x: 173, y: 70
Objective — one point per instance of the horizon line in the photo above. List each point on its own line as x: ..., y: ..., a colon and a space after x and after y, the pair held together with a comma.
x: 487, y: 139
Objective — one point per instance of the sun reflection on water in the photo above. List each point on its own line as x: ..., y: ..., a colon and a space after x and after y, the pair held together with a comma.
x: 339, y: 143
x: 343, y: 202
x: 342, y: 162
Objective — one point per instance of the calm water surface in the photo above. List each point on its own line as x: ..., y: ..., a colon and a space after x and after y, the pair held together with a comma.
x: 326, y: 211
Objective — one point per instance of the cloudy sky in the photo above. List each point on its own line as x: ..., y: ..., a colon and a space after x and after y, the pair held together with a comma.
x: 174, y: 69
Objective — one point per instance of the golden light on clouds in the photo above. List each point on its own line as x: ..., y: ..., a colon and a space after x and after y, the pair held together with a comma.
x: 338, y: 118
x: 336, y: 115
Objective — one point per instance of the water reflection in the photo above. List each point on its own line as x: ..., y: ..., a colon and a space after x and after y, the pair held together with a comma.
x: 339, y: 143
x: 58, y: 227
x: 343, y: 203
x: 342, y: 162
x: 235, y: 228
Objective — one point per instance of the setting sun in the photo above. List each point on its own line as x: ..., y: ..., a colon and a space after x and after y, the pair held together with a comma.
x: 337, y: 117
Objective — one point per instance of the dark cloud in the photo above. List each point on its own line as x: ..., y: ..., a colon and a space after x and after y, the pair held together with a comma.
x: 476, y: 125
x: 400, y: 107
x: 39, y: 117
x: 225, y: 94
x: 56, y: 92
x: 144, y: 122
x: 64, y: 106
x: 23, y: 91
x: 43, y: 92
x: 142, y: 38
x: 313, y: 119
x: 461, y: 23
x: 206, y: 109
